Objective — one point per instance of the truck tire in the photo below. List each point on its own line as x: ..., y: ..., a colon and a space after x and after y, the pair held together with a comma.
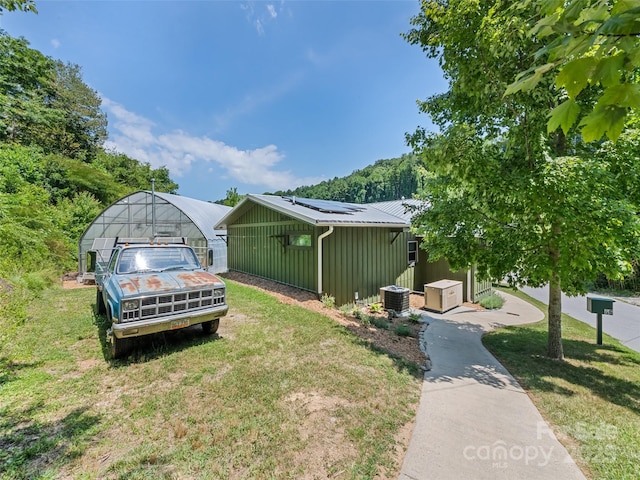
x: 211, y: 326
x: 119, y: 346
x: 100, y: 307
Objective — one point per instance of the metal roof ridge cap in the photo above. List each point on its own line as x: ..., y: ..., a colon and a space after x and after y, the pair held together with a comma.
x: 328, y: 223
x: 260, y: 199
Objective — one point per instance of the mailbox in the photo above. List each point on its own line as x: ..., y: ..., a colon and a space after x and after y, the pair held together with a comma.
x: 601, y: 305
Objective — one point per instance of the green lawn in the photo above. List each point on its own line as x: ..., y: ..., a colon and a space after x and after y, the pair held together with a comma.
x: 281, y: 393
x: 592, y: 399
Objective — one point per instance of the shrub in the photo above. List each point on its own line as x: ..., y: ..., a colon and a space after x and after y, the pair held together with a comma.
x: 403, y: 330
x: 379, y: 322
x: 415, y: 317
x: 375, y: 307
x: 347, y: 309
x: 492, y: 302
x: 329, y: 301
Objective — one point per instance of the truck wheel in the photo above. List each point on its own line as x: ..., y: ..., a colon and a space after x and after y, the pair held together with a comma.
x: 119, y: 346
x: 100, y: 307
x: 211, y: 326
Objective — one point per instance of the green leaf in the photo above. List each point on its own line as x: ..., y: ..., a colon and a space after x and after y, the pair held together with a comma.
x: 544, y: 26
x: 634, y: 56
x: 608, y: 119
x: 626, y: 95
x: 622, y: 6
x: 550, y: 6
x: 609, y: 70
x: 564, y: 115
x: 525, y: 83
x: 595, y: 14
x: 624, y: 23
x: 575, y: 75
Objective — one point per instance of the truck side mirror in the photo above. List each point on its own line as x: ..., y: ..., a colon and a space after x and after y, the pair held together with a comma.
x: 91, y: 261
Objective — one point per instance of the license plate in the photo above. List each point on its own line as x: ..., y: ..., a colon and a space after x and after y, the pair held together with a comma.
x: 179, y: 324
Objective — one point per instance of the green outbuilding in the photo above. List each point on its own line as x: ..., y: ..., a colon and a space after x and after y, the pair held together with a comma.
x: 348, y: 251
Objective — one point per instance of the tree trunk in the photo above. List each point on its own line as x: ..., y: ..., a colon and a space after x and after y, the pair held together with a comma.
x: 555, y: 318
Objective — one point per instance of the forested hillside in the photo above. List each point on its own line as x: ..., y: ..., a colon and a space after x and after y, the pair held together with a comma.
x: 55, y: 175
x: 385, y: 180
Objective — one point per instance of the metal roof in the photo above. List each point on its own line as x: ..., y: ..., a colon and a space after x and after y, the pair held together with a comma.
x: 203, y: 214
x: 405, y: 208
x: 355, y: 215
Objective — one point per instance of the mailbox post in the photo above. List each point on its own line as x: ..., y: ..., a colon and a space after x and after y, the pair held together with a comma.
x: 600, y: 306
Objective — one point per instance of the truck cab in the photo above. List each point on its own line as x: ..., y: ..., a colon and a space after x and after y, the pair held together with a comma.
x: 147, y: 287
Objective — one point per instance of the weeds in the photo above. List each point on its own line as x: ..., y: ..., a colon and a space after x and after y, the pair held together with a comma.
x: 329, y: 301
x: 348, y: 309
x: 376, y: 308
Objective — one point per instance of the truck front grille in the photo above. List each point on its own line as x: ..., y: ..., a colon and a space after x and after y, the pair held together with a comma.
x: 162, y: 305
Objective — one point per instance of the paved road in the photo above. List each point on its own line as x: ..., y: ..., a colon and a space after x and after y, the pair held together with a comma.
x: 623, y: 325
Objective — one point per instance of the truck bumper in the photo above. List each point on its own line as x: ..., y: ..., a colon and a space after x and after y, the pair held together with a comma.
x: 163, y: 324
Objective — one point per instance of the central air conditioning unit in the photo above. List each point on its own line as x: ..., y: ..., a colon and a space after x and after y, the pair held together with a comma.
x: 442, y: 295
x: 395, y: 298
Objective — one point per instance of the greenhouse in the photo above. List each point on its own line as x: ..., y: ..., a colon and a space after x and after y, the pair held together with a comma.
x: 149, y: 215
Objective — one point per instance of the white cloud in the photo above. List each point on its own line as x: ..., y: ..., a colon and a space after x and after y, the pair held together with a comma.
x: 178, y: 151
x: 55, y: 43
x: 258, y: 17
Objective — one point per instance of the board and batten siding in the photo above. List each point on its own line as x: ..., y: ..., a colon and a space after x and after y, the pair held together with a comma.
x: 362, y: 260
x: 257, y: 245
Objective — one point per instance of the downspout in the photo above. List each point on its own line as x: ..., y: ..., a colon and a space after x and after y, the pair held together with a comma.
x: 153, y: 208
x: 320, y: 238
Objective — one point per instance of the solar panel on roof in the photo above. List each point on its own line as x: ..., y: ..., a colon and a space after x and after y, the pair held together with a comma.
x: 325, y: 206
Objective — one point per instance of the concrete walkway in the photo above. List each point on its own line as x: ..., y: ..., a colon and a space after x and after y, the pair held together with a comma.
x: 474, y: 420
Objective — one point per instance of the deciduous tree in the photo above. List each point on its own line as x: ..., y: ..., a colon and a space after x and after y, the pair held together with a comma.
x: 592, y: 49
x: 502, y: 192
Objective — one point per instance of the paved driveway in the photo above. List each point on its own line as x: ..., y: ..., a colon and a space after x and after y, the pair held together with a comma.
x: 623, y: 325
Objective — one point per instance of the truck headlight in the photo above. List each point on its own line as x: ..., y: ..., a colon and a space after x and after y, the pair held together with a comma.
x: 130, y: 305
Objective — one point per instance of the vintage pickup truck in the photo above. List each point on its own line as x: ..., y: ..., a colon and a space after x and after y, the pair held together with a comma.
x: 152, y: 287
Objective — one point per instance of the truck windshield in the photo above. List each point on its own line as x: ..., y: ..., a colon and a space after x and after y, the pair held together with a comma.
x: 156, y: 259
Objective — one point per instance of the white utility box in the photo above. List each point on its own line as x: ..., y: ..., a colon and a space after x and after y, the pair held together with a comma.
x: 442, y: 295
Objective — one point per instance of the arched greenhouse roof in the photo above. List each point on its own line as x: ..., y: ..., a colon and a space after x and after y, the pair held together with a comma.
x: 203, y: 214
x: 145, y: 214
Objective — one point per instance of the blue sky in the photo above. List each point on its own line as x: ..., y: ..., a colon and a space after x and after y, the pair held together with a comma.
x: 260, y: 95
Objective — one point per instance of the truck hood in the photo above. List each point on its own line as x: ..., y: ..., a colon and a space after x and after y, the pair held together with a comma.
x: 153, y: 283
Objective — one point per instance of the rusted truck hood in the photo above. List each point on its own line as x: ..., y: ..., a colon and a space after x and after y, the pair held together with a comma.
x: 152, y: 283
